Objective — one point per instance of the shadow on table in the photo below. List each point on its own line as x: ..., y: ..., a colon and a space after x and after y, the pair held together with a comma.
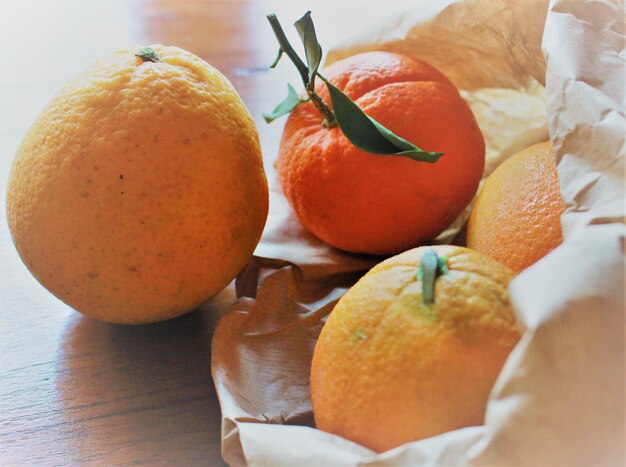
x: 141, y: 392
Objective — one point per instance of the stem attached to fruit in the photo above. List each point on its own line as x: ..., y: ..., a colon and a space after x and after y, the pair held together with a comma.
x: 309, y: 85
x: 148, y: 54
x: 360, y: 129
x: 431, y: 266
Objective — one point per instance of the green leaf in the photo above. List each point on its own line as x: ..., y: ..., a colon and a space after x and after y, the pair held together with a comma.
x: 361, y: 130
x: 369, y: 135
x: 286, y: 106
x: 429, y: 265
x: 148, y: 54
x: 312, y: 48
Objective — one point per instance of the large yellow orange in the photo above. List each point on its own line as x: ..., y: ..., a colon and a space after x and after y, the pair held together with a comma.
x: 517, y: 216
x: 139, y: 192
x: 389, y: 368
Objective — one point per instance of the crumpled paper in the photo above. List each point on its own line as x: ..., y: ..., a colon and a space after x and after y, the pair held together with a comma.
x: 560, y: 397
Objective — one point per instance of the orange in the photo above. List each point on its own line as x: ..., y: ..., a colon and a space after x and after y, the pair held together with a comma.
x: 139, y: 192
x: 379, y: 204
x: 516, y: 218
x: 389, y: 369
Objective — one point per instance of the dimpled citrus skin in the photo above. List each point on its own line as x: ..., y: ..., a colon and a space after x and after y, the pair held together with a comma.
x: 139, y: 192
x: 389, y: 369
x: 517, y: 216
x: 366, y: 203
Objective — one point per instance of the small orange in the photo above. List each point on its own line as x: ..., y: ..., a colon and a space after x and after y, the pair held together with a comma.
x: 516, y: 218
x: 367, y: 203
x: 389, y: 369
x: 139, y: 192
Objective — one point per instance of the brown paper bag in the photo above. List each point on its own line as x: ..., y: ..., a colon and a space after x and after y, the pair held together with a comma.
x: 560, y: 397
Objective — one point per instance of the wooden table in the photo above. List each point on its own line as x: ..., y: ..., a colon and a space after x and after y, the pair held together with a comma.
x: 74, y: 390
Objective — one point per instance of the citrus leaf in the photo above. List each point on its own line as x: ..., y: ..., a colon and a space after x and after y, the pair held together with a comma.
x: 286, y: 106
x: 312, y: 48
x: 369, y: 135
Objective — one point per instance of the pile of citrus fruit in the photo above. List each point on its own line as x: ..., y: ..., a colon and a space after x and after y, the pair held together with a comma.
x: 139, y: 193
x: 414, y: 348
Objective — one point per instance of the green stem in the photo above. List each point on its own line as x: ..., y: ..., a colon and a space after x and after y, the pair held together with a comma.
x: 285, y: 46
x: 329, y: 115
x: 431, y: 266
x: 309, y: 85
x: 148, y: 54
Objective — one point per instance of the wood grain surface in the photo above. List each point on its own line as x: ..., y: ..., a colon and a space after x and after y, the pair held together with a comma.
x: 75, y: 391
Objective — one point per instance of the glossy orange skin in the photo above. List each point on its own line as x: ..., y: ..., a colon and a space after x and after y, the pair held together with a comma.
x: 367, y: 203
x: 516, y: 218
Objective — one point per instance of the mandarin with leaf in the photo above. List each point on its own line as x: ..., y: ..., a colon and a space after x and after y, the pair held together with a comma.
x: 367, y: 203
x: 381, y: 154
